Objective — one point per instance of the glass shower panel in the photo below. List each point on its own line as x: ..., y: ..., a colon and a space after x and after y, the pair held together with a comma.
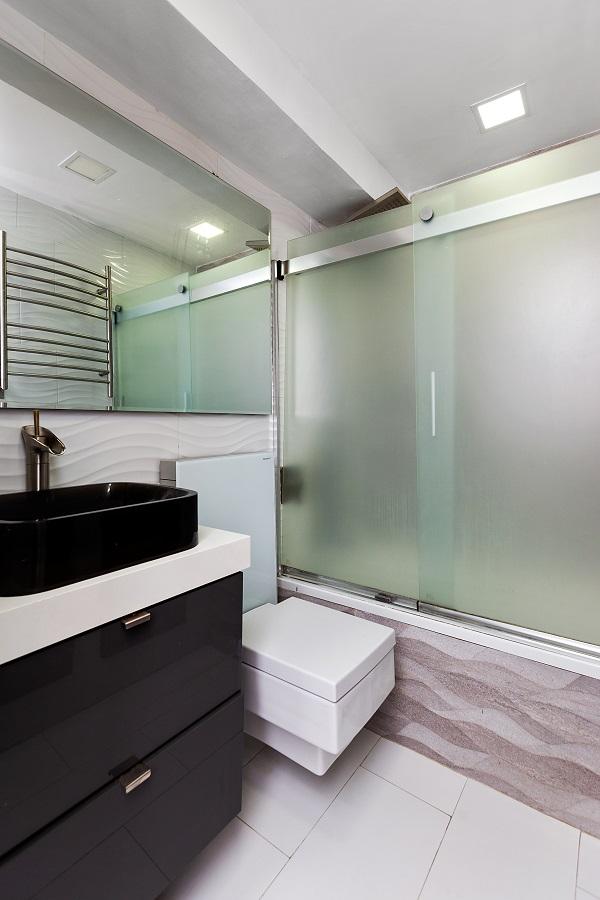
x: 231, y: 358
x: 508, y: 371
x: 152, y: 346
x: 349, y: 444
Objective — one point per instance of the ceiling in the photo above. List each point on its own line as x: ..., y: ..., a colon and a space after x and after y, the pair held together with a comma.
x: 151, y: 49
x: 386, y: 87
x: 404, y: 73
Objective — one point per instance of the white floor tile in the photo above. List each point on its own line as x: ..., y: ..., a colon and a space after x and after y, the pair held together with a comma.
x: 496, y: 848
x: 251, y: 748
x: 583, y: 895
x: 588, y: 875
x: 238, y: 864
x: 416, y: 774
x: 282, y: 800
x: 375, y: 840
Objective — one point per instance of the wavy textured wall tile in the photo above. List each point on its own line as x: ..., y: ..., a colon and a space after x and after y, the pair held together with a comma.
x: 212, y: 435
x: 125, y: 446
x: 522, y: 727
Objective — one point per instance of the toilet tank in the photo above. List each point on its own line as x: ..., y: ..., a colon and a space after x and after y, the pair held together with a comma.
x: 236, y: 493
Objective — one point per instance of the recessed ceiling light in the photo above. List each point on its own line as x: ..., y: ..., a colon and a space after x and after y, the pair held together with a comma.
x: 206, y: 230
x: 86, y: 167
x: 501, y: 108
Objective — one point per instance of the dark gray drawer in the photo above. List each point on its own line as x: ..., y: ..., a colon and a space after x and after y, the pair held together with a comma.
x: 75, y: 715
x: 193, y: 791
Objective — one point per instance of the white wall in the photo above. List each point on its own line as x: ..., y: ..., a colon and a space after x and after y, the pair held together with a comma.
x: 124, y: 446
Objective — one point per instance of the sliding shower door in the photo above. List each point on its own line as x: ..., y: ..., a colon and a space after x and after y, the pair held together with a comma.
x: 508, y: 356
x: 488, y: 505
x: 349, y: 443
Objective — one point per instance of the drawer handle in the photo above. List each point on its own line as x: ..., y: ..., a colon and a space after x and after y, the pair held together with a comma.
x: 136, y: 619
x: 136, y: 776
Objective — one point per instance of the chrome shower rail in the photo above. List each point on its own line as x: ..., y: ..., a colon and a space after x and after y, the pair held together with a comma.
x: 22, y: 281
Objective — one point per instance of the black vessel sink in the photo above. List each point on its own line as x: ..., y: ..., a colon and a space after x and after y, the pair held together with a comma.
x: 56, y: 537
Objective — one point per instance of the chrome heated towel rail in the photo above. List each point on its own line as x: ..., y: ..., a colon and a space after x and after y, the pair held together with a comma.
x: 62, y: 350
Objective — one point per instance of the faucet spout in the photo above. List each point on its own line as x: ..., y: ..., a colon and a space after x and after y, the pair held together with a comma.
x: 39, y: 443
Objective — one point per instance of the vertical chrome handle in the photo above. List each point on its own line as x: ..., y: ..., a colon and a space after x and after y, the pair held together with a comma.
x: 433, y: 406
x: 3, y: 317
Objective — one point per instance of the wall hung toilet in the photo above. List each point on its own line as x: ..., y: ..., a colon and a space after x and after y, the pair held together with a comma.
x: 313, y: 677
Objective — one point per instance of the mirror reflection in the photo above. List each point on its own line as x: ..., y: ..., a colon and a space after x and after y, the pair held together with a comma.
x: 132, y: 278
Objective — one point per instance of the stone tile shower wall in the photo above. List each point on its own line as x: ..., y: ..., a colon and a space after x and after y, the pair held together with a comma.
x: 524, y: 728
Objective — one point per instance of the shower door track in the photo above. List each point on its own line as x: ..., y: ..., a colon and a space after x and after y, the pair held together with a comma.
x: 568, y: 649
x: 347, y: 587
x: 513, y: 632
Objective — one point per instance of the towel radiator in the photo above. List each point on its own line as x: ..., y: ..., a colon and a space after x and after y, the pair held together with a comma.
x: 73, y: 353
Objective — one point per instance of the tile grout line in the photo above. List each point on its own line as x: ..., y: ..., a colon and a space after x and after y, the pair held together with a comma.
x: 578, y: 887
x: 410, y: 793
x: 577, y: 865
x: 426, y: 879
x: 352, y: 774
x: 279, y: 850
x: 252, y: 758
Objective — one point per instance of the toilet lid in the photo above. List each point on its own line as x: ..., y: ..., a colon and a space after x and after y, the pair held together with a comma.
x: 321, y: 650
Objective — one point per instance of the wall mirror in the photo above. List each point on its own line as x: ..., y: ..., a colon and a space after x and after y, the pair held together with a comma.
x: 132, y: 278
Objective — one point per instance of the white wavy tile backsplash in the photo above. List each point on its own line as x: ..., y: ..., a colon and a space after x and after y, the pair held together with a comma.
x: 125, y: 446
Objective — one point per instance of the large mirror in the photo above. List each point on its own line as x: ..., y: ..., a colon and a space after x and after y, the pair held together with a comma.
x: 132, y: 278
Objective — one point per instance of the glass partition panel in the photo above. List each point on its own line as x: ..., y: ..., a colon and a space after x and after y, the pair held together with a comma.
x: 152, y: 341
x: 349, y: 453
x: 508, y: 360
x: 230, y: 332
x: 231, y: 363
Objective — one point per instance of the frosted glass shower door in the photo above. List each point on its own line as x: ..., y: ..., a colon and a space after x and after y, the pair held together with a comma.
x: 349, y: 452
x: 508, y: 356
x: 152, y: 347
x: 231, y: 351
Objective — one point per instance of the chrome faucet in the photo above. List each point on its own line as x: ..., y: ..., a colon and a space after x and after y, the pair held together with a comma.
x: 39, y: 444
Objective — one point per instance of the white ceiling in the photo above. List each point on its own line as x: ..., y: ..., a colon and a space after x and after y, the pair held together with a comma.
x: 332, y: 101
x: 403, y: 74
x: 151, y: 49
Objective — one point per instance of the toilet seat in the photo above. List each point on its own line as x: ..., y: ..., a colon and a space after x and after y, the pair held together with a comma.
x: 313, y: 677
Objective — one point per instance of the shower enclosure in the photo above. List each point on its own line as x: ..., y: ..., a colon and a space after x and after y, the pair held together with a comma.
x: 441, y: 422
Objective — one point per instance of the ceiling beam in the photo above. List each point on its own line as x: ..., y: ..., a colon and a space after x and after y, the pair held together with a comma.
x: 238, y: 37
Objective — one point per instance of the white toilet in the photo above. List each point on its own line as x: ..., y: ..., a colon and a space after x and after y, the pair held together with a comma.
x: 313, y: 677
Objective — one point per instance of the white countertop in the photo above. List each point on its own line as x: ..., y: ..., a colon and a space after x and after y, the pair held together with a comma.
x: 34, y: 621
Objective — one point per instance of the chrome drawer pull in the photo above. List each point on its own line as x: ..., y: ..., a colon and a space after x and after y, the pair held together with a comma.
x: 136, y: 619
x: 136, y: 776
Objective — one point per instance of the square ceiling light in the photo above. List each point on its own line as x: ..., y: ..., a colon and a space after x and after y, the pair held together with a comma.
x: 501, y: 108
x: 206, y: 230
x: 86, y: 167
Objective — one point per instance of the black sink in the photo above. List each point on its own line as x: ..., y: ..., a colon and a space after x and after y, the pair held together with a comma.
x: 56, y: 537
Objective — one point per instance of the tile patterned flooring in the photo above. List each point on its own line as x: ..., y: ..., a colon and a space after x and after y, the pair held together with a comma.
x: 386, y: 822
x: 521, y: 727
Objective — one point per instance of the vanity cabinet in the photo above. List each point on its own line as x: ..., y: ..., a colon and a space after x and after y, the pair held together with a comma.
x: 121, y: 749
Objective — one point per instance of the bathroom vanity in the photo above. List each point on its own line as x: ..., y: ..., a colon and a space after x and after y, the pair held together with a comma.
x: 121, y: 723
